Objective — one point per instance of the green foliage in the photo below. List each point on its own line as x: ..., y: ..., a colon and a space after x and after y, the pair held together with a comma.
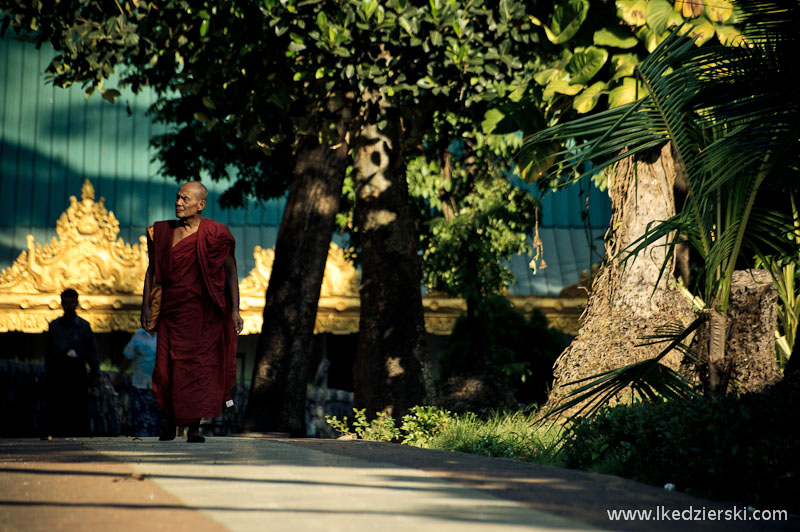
x: 517, y: 435
x: 245, y: 81
x: 786, y: 279
x: 418, y: 427
x: 382, y: 428
x: 472, y: 216
x: 424, y: 423
x: 730, y: 448
x: 566, y: 20
x: 500, y: 341
x: 463, y: 256
x: 587, y: 64
x: 638, y: 26
x: 483, y: 440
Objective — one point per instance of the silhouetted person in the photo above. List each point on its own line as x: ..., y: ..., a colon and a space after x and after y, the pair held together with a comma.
x: 192, y: 259
x: 140, y: 352
x: 71, y: 346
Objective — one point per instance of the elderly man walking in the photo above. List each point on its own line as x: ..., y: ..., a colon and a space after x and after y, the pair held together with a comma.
x: 192, y: 260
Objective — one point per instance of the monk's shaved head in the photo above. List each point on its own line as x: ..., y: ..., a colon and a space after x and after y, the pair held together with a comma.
x: 198, y: 189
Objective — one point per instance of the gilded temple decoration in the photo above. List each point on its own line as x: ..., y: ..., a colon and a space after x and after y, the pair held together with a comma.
x: 86, y: 255
x: 108, y: 273
x: 338, y: 310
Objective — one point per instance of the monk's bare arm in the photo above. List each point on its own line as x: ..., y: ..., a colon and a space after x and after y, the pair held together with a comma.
x: 232, y: 285
x: 148, y: 285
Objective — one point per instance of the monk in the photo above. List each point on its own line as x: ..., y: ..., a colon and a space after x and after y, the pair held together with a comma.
x: 192, y: 259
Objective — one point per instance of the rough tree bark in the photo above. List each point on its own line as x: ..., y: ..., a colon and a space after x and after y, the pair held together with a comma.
x: 278, y: 390
x: 747, y: 338
x: 392, y: 370
x: 623, y: 306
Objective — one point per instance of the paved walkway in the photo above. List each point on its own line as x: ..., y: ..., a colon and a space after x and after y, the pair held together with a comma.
x: 255, y: 484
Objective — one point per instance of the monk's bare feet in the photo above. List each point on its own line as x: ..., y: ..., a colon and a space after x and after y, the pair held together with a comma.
x: 193, y: 434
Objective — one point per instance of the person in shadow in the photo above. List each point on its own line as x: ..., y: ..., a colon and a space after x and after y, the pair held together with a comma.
x: 140, y: 352
x: 71, y: 345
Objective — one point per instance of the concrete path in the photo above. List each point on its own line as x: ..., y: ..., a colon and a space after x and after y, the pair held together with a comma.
x: 256, y: 484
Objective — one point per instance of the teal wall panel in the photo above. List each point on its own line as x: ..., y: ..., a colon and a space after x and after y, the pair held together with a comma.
x: 51, y: 139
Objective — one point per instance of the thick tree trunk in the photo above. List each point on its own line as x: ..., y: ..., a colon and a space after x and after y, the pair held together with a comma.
x: 392, y: 370
x: 745, y: 360
x: 278, y: 391
x: 623, y: 305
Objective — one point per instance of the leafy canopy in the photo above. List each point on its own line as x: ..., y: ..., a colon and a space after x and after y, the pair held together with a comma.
x: 245, y: 79
x: 589, y: 56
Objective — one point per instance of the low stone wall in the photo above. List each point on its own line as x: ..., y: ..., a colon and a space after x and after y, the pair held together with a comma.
x: 321, y: 402
x: 115, y: 413
x: 111, y: 412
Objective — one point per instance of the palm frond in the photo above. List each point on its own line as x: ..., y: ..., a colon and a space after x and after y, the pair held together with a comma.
x: 648, y: 378
x: 668, y: 333
x: 769, y: 233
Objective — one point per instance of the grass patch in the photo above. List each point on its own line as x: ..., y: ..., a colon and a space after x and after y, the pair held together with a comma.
x: 517, y: 435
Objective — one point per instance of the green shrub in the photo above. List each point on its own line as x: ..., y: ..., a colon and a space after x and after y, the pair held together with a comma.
x: 418, y: 427
x: 423, y: 424
x: 382, y: 428
x: 518, y: 435
x: 745, y: 448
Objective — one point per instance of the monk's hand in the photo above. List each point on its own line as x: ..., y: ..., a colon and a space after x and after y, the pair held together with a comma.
x: 146, y: 315
x: 238, y: 322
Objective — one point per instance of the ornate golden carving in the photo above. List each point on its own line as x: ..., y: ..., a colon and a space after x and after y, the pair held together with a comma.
x: 87, y: 256
x: 255, y: 284
x: 109, y: 274
x: 338, y: 303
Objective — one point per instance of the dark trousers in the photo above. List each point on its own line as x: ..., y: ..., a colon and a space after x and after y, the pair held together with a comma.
x: 67, y: 399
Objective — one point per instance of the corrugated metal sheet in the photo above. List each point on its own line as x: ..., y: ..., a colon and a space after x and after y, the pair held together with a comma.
x: 51, y: 139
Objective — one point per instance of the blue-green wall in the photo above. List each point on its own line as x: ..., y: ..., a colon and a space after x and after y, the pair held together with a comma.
x: 51, y: 139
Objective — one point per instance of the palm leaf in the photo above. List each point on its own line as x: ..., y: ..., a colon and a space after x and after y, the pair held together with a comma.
x: 668, y: 333
x: 648, y: 378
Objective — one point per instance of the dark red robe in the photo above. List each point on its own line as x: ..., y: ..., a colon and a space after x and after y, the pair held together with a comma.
x: 196, y: 355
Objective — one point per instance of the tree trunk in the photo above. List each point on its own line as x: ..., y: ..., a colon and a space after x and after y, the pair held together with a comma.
x: 623, y: 305
x: 392, y: 369
x: 278, y: 391
x: 741, y: 349
x: 718, y: 366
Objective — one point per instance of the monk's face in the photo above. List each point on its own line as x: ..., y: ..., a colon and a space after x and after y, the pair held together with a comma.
x: 188, y: 202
